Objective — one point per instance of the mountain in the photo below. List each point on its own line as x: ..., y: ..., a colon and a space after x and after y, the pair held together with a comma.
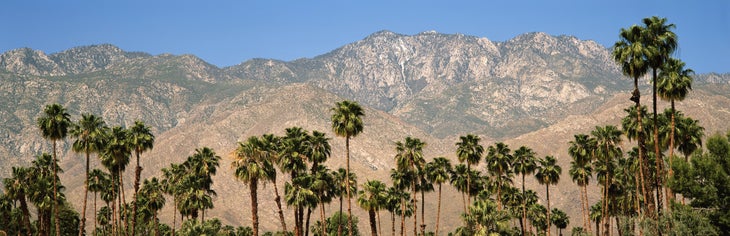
x: 535, y: 90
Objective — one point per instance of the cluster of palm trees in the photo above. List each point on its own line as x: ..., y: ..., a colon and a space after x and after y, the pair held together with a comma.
x: 114, y: 148
x: 633, y: 187
x: 642, y: 49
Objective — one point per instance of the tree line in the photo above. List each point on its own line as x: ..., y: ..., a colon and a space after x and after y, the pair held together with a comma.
x: 642, y: 191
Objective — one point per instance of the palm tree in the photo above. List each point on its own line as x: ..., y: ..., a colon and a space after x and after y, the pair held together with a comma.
x: 344, y: 182
x: 202, y: 165
x: 548, y: 173
x: 90, y: 135
x: 689, y: 136
x: 16, y: 187
x: 347, y: 122
x: 54, y: 125
x: 524, y: 164
x: 371, y: 199
x: 459, y: 177
x: 674, y: 83
x: 270, y: 146
x: 152, y: 190
x: 250, y: 165
x: 42, y: 175
x: 661, y: 42
x: 608, y: 139
x: 98, y: 182
x: 401, y: 181
x: 409, y: 158
x: 299, y: 194
x: 581, y: 173
x: 141, y: 139
x: 581, y: 150
x: 560, y: 219
x: 499, y: 160
x: 470, y: 151
x: 115, y: 157
x: 631, y: 53
x: 318, y: 151
x: 172, y: 181
x: 438, y: 172
x: 325, y: 191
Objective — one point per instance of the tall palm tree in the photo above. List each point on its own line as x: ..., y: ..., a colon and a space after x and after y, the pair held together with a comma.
x: 409, y: 158
x: 581, y: 150
x: 402, y: 179
x: 325, y: 191
x: 54, y: 125
x: 99, y: 181
x: 141, y: 139
x: 499, y: 160
x: 250, y: 165
x: 115, y: 157
x: 270, y: 146
x: 438, y: 172
x: 608, y: 139
x: 459, y: 178
x: 524, y: 163
x: 470, y: 151
x: 90, y: 134
x: 581, y: 173
x: 347, y: 122
x: 548, y: 173
x: 152, y: 190
x: 662, y: 42
x: 317, y: 151
x: 371, y: 199
x: 674, y: 83
x: 172, y: 181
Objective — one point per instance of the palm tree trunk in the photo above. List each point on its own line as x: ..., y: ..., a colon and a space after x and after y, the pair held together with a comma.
x: 82, y: 224
x: 582, y: 207
x: 468, y: 186
x: 670, y: 195
x: 137, y: 172
x: 26, y: 212
x: 339, y: 221
x: 157, y: 223
x: 380, y: 226
x: 438, y: 212
x: 524, y: 205
x: 547, y: 190
x: 587, y: 221
x: 55, y: 190
x: 415, y: 209
x: 277, y: 199
x: 306, y: 228
x: 174, y: 215
x: 423, y: 220
x: 122, y: 215
x: 253, y: 187
x: 499, y: 189
x: 322, y: 221
x: 347, y: 181
x: 96, y: 222
x: 658, y: 157
x: 373, y: 226
x: 402, y: 217
x: 392, y: 223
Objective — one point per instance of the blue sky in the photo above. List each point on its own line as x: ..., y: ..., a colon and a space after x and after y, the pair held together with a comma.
x: 227, y: 33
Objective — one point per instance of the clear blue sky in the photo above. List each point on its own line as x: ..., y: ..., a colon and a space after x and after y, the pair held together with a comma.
x: 227, y: 33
